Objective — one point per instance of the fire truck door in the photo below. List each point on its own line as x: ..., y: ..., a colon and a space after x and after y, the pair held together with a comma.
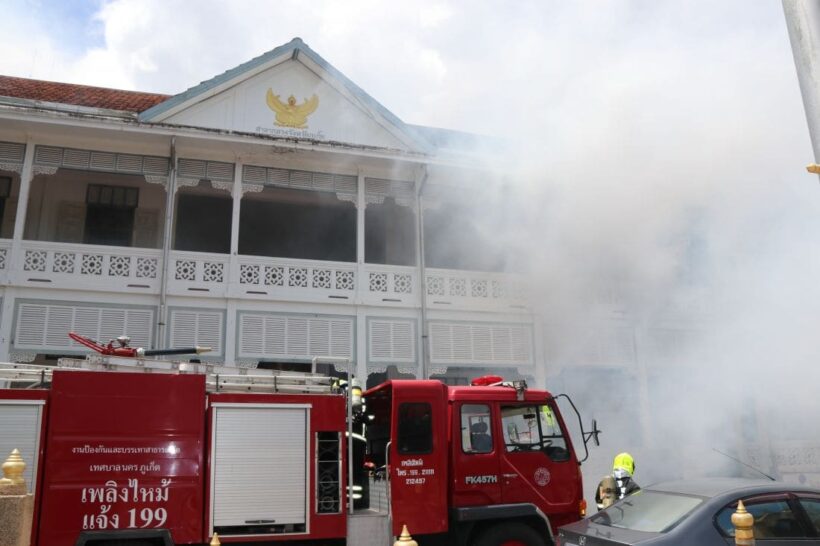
x: 418, y: 458
x: 475, y: 456
x: 536, y: 466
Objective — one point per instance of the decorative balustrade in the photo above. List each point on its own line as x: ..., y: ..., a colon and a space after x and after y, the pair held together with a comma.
x: 294, y: 279
x: 387, y: 283
x: 198, y: 272
x: 139, y: 270
x: 470, y: 288
x: 87, y: 266
x: 5, y: 252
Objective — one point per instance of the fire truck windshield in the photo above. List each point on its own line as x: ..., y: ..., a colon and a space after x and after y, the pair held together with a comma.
x: 532, y: 428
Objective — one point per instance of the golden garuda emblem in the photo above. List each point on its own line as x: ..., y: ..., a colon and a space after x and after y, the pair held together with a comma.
x: 290, y: 114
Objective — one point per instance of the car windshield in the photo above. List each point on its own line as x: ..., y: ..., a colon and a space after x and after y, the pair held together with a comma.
x: 649, y: 511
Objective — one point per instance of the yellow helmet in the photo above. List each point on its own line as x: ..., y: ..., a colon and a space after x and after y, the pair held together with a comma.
x: 624, y: 461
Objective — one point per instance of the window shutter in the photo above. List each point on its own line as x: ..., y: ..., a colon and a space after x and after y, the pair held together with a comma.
x: 297, y: 332
x: 190, y: 328
x: 274, y: 334
x: 21, y: 423
x: 31, y: 325
x: 252, y: 331
x: 12, y: 152
x: 341, y: 338
x: 294, y: 337
x: 319, y: 337
x: 46, y: 327
x: 392, y: 341
x: 474, y: 343
x: 100, y: 161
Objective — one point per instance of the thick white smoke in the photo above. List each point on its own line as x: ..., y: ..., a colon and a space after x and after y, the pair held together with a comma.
x: 655, y: 170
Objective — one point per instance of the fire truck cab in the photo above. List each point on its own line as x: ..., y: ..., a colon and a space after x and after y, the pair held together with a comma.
x: 485, y: 464
x: 138, y: 452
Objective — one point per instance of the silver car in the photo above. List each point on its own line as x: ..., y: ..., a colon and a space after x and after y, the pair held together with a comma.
x: 698, y: 512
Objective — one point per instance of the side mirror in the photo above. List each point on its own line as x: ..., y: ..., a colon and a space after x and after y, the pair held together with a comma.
x: 586, y: 436
x: 595, y: 432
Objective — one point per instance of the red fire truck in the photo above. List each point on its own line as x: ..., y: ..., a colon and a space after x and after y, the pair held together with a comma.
x: 132, y: 451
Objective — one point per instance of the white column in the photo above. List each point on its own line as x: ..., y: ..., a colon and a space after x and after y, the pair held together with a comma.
x: 361, y: 345
x: 237, y: 203
x: 14, y: 261
x: 362, y: 283
x: 361, y: 206
x: 803, y: 22
x: 167, y: 241
x: 230, y: 332
x: 233, y: 267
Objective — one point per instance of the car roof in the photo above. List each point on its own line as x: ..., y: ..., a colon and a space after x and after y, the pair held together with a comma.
x: 714, y: 487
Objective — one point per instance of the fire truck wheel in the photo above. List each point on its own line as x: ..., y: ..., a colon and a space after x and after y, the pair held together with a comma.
x: 510, y: 534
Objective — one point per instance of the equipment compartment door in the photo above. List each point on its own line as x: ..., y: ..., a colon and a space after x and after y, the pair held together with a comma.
x: 259, y: 470
x: 21, y: 426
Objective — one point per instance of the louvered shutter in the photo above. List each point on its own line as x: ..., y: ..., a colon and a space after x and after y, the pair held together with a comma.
x: 46, y: 327
x: 294, y: 337
x: 21, y: 422
x: 190, y: 328
x: 275, y: 334
x: 341, y: 338
x: 391, y: 341
x: 12, y: 152
x: 253, y: 334
x: 473, y: 343
x: 100, y: 161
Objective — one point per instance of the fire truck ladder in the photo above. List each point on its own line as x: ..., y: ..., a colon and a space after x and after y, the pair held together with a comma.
x: 218, y: 378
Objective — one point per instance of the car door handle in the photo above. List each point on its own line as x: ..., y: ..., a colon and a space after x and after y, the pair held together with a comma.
x: 509, y: 475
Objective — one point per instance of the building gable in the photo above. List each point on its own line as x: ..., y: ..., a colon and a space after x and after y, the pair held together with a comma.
x: 289, y: 92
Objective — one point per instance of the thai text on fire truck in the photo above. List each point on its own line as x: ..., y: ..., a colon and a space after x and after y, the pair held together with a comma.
x: 414, y: 476
x: 111, y: 492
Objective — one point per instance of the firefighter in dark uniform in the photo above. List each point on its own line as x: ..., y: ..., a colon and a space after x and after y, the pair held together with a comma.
x: 619, y: 484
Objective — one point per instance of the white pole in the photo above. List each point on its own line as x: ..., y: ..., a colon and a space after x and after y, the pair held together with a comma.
x: 171, y: 188
x: 803, y: 22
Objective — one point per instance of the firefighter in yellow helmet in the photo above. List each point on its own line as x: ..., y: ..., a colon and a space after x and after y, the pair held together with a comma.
x: 619, y: 484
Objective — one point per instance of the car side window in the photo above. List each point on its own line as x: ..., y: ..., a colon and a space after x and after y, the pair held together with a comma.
x: 772, y: 519
x: 476, y: 431
x: 812, y: 508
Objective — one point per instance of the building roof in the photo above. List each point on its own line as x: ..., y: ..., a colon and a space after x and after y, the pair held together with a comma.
x: 79, y: 95
x: 449, y: 139
x: 292, y: 49
x: 150, y: 106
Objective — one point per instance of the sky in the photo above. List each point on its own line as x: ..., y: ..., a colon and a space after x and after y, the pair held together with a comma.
x: 656, y: 142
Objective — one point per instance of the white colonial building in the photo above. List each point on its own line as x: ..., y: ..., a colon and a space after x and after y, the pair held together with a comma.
x: 275, y: 212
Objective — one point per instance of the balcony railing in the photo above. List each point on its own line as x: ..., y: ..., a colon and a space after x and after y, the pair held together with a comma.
x: 138, y: 270
x: 5, y: 266
x: 448, y: 287
x: 390, y: 284
x: 199, y: 272
x: 293, y: 279
x: 91, y: 267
